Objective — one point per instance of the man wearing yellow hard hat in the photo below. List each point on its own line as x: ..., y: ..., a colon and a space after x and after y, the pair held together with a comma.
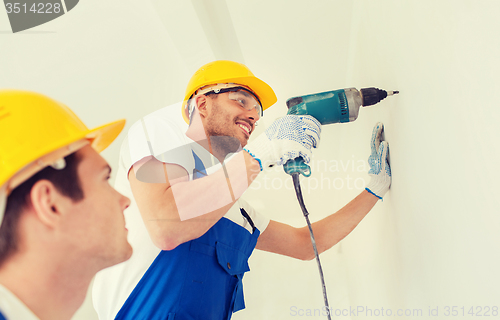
x: 192, y: 233
x: 61, y: 221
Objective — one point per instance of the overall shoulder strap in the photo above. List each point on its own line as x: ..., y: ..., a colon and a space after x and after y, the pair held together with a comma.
x: 247, y: 216
x: 199, y: 169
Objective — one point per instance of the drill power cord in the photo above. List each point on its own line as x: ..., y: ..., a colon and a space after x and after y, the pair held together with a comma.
x: 298, y: 192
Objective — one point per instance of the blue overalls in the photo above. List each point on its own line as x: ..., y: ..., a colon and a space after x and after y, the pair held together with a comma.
x: 200, y: 279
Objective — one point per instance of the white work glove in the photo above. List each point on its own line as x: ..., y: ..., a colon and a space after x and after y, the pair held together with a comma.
x: 380, y: 171
x: 286, y: 138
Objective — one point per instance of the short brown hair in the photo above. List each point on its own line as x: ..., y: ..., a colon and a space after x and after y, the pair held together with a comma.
x: 66, y: 182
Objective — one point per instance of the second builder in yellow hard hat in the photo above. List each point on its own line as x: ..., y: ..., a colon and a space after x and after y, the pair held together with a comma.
x: 192, y: 232
x: 60, y: 220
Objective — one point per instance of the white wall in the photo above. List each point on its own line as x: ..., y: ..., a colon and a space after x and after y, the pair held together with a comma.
x: 432, y: 242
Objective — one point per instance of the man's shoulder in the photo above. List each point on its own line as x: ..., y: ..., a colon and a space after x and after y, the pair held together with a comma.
x: 161, y: 132
x: 166, y: 120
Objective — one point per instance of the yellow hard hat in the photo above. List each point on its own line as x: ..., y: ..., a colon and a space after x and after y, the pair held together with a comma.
x: 33, y: 126
x: 224, y: 71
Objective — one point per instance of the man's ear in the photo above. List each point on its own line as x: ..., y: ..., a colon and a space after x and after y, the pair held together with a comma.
x: 47, y: 202
x: 201, y: 103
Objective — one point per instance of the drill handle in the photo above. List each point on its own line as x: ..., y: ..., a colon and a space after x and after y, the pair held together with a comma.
x: 297, y: 165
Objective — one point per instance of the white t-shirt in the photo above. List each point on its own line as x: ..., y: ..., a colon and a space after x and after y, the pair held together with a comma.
x: 159, y: 134
x: 12, y: 308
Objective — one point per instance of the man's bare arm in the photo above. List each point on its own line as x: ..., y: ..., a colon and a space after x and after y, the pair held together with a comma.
x: 162, y: 204
x: 296, y: 242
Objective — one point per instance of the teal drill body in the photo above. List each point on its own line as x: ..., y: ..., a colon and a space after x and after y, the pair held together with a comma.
x: 338, y: 106
x: 327, y: 107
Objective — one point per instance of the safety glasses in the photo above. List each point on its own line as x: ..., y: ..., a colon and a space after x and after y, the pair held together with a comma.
x: 244, y: 97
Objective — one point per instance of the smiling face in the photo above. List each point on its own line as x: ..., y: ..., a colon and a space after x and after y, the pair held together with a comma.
x: 226, y: 115
x: 96, y: 224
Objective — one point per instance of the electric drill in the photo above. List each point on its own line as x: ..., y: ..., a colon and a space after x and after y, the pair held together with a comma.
x: 331, y: 107
x: 328, y: 107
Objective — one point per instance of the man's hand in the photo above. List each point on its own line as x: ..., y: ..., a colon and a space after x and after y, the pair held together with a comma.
x: 286, y: 138
x: 380, y: 171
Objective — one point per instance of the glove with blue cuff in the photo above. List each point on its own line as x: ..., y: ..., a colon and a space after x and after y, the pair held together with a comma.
x: 380, y: 171
x: 286, y: 138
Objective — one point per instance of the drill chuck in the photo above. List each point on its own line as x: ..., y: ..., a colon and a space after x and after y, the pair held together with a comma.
x: 372, y: 95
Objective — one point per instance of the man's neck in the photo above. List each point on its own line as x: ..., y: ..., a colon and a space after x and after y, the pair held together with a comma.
x: 218, y: 146
x: 51, y: 290
x: 222, y: 146
x: 199, y: 136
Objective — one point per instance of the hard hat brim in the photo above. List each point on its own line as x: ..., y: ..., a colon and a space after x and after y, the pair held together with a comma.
x: 100, y: 138
x: 103, y: 136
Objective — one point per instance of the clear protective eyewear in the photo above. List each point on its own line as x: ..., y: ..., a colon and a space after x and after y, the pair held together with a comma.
x: 246, y: 100
x: 244, y: 97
